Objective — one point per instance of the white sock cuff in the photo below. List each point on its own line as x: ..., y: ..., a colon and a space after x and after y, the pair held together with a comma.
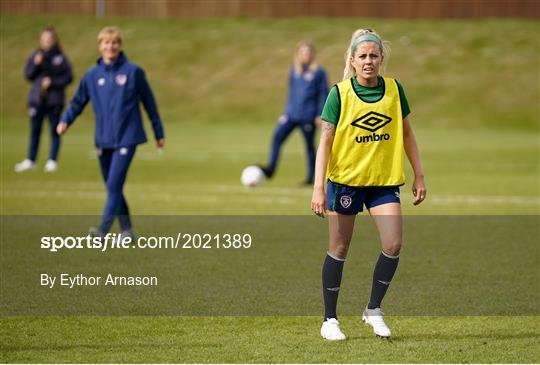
x: 390, y: 256
x: 334, y: 257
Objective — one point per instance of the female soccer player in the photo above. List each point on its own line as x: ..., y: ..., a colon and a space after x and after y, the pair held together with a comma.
x: 308, y: 88
x: 50, y: 72
x: 115, y: 86
x: 366, y: 128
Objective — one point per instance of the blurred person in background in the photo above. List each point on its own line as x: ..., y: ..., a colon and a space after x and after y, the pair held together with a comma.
x: 308, y: 88
x: 366, y: 128
x: 50, y: 73
x: 115, y: 87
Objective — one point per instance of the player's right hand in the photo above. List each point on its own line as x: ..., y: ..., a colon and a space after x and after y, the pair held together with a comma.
x: 61, y: 128
x: 318, y: 202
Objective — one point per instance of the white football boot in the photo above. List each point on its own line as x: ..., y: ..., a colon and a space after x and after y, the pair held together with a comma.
x: 51, y: 166
x: 330, y: 330
x: 25, y: 165
x: 374, y: 318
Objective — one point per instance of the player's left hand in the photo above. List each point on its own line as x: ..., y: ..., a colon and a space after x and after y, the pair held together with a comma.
x: 419, y: 190
x: 160, y: 143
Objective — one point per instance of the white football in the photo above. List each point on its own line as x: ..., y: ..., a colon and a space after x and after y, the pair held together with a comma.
x: 252, y: 176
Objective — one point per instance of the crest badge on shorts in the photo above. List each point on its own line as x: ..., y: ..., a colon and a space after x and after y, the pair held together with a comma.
x: 345, y: 201
x: 121, y: 79
x: 101, y: 81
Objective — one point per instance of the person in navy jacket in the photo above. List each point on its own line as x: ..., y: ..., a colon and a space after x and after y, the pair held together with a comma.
x: 308, y: 89
x: 115, y: 86
x: 50, y: 73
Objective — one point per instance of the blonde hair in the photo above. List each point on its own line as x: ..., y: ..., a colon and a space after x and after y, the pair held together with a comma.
x: 348, y: 72
x: 110, y: 32
x: 297, y: 63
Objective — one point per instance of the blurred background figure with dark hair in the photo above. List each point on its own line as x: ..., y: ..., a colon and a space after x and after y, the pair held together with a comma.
x: 50, y: 72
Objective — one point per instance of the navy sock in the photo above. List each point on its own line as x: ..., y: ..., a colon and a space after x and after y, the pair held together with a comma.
x: 331, y: 280
x: 382, y: 276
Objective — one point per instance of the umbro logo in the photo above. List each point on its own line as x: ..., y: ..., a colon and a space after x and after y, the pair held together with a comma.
x: 371, y: 121
x: 384, y: 282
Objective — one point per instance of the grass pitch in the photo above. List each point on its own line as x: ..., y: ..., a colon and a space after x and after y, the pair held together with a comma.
x: 474, y: 100
x: 267, y: 339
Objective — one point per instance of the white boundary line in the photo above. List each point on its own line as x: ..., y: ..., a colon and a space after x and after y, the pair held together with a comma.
x: 213, y: 192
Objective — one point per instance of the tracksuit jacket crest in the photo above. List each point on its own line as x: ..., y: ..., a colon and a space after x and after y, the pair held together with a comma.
x: 115, y: 91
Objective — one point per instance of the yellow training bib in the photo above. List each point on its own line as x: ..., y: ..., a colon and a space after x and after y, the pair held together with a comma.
x: 368, y: 144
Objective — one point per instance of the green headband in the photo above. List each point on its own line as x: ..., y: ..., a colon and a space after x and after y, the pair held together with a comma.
x: 364, y: 38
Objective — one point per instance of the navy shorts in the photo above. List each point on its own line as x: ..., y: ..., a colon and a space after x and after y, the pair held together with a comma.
x: 351, y: 200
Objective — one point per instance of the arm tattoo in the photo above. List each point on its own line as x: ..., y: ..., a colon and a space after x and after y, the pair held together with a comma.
x: 329, y: 129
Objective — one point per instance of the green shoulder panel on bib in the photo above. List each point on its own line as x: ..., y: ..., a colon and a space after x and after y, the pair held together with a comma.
x: 332, y: 106
x: 405, y: 109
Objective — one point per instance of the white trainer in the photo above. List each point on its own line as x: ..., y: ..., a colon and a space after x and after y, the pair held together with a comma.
x: 330, y: 330
x: 95, y: 232
x: 129, y: 233
x: 25, y: 165
x: 374, y: 318
x: 51, y: 166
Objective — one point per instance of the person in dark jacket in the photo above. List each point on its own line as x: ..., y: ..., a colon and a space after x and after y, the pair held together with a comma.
x: 50, y: 72
x: 308, y: 89
x: 115, y: 87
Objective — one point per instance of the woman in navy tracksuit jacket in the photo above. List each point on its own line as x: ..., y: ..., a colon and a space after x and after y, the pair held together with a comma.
x: 50, y: 73
x: 115, y: 87
x: 308, y: 89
